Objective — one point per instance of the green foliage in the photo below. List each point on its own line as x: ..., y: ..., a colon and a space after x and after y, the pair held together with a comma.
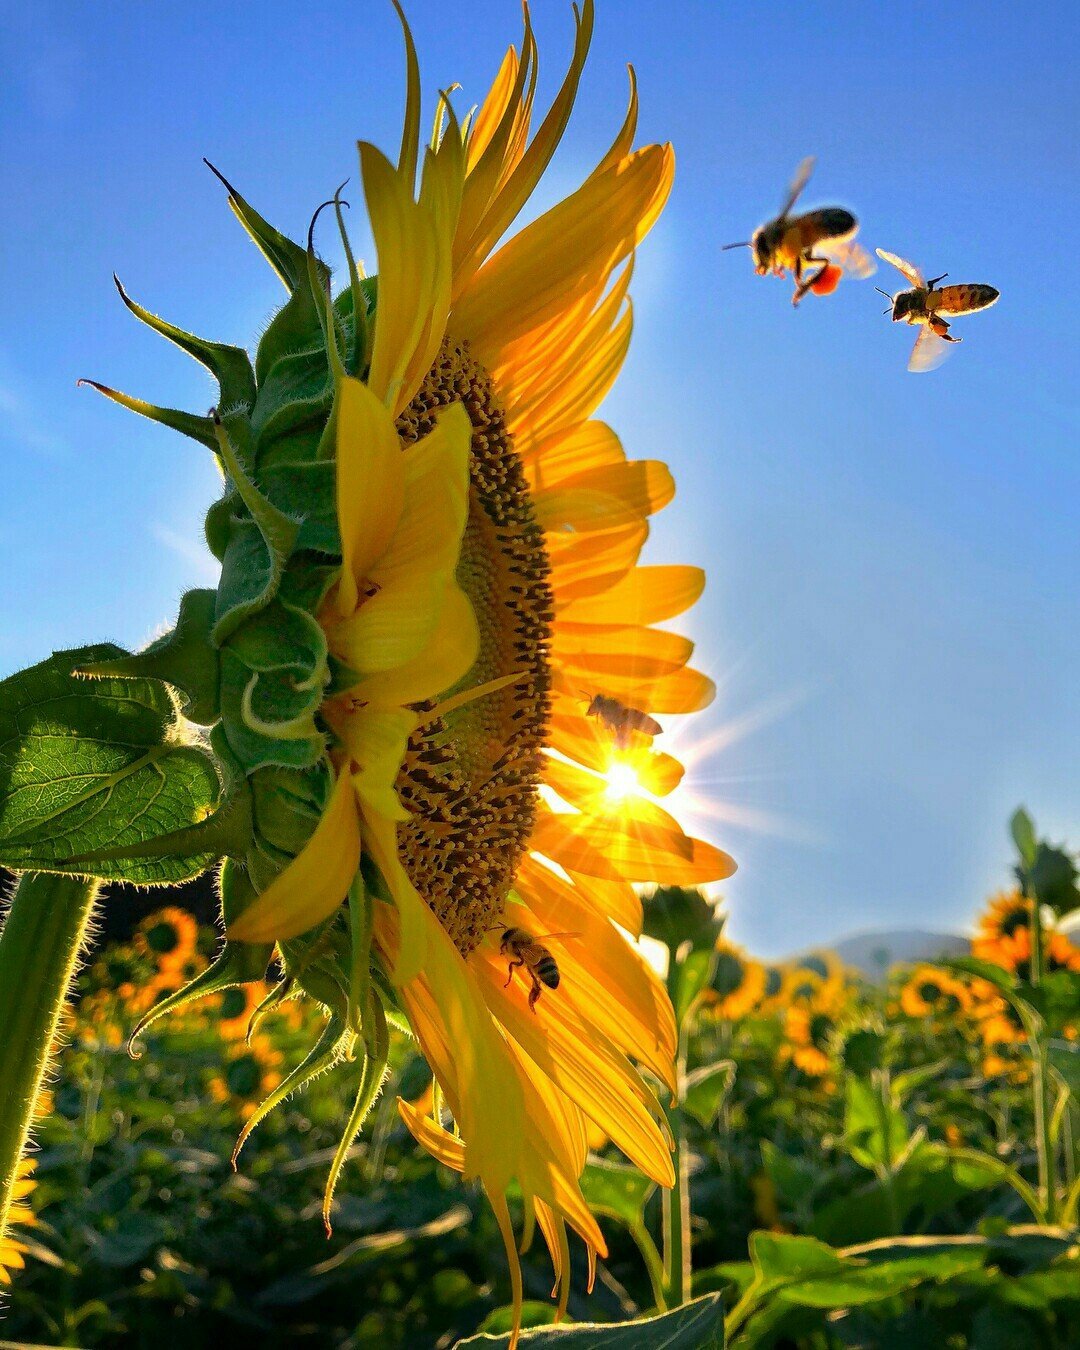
x: 695, y: 1326
x: 89, y: 765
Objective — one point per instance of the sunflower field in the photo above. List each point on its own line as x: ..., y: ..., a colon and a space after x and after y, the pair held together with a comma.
x: 862, y: 1160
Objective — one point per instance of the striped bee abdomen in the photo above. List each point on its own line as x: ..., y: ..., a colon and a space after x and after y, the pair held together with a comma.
x: 548, y: 971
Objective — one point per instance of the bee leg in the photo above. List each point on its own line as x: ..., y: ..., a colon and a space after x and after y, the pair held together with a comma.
x: 804, y: 286
x: 941, y: 328
x: 534, y: 993
x: 514, y: 965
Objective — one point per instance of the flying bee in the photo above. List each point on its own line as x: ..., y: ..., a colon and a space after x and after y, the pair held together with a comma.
x: 525, y: 950
x: 924, y: 305
x: 621, y: 720
x: 789, y: 243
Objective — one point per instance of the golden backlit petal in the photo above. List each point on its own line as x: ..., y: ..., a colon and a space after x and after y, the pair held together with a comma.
x: 685, y: 691
x: 637, y: 654
x: 450, y: 653
x: 615, y: 898
x: 443, y: 1146
x: 567, y: 250
x: 398, y: 621
x: 412, y: 932
x: 317, y: 880
x: 568, y: 512
x: 585, y: 565
x: 413, y: 260
x: 582, y: 1063
x: 410, y: 135
x: 645, y: 595
x: 588, y: 446
x: 623, y: 142
x: 604, y: 975
x: 646, y: 853
x: 490, y: 114
x: 376, y: 743
x: 553, y: 838
x: 646, y: 485
x: 580, y: 392
x: 516, y: 187
x: 587, y: 741
x: 370, y: 485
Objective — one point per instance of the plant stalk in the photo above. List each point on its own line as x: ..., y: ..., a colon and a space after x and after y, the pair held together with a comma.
x: 676, y: 1233
x: 1040, y: 1077
x: 39, y: 950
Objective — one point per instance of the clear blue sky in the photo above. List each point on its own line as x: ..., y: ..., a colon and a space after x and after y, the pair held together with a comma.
x: 893, y: 559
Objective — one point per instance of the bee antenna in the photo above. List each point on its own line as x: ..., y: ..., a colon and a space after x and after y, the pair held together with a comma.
x: 744, y: 243
x: 884, y: 293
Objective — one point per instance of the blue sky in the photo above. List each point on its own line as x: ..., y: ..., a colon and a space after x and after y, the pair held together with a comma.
x: 892, y: 613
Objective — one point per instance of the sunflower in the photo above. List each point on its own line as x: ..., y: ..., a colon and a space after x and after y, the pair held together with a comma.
x: 168, y: 937
x: 249, y: 1072
x: 236, y: 1006
x: 489, y: 588
x: 19, y: 1214
x: 738, y: 985
x: 929, y: 992
x: 1004, y: 938
x: 808, y: 1040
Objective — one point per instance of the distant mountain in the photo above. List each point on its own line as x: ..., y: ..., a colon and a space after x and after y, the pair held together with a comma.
x: 873, y: 953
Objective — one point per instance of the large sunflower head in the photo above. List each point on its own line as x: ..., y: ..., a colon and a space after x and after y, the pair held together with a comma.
x: 438, y: 660
x: 930, y: 992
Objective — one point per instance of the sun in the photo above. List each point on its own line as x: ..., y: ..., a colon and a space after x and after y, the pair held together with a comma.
x: 622, y: 782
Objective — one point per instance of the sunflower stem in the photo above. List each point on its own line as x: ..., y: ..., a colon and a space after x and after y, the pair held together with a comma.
x: 1040, y: 1076
x: 677, y: 1264
x: 39, y: 949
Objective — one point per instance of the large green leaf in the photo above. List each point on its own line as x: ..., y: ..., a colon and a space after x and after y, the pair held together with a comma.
x: 93, y: 764
x: 621, y: 1192
x: 695, y: 1326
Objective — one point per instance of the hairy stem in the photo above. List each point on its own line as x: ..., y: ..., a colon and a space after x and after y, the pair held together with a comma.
x: 677, y: 1266
x: 39, y: 949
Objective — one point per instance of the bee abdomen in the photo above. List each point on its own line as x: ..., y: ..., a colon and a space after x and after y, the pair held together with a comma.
x: 548, y: 971
x: 967, y: 297
x: 835, y: 222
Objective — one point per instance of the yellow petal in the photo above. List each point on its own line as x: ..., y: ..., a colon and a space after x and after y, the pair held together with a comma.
x: 449, y: 655
x: 646, y: 485
x: 412, y: 575
x: 370, y: 485
x: 585, y: 447
x: 567, y: 250
x: 317, y: 880
x: 645, y: 595
x: 376, y: 741
x: 582, y: 565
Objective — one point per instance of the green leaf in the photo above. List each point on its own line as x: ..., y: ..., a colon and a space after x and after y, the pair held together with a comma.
x: 780, y: 1257
x: 875, y: 1131
x: 1000, y: 978
x: 795, y: 1179
x: 695, y: 1326
x: 692, y: 975
x: 870, y: 1283
x: 1064, y: 1057
x: 705, y: 1091
x: 1023, y: 832
x: 1052, y: 878
x: 621, y: 1192
x: 87, y: 765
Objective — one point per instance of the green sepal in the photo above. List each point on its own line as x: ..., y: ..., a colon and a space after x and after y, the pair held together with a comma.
x: 230, y: 366
x: 252, y: 567
x: 295, y: 391
x: 287, y: 259
x: 333, y: 1044
x: 200, y: 429
x: 237, y: 963
x: 309, y: 492
x: 282, y: 637
x: 296, y: 745
x: 184, y: 658
x: 318, y: 961
x: 288, y: 805
x: 90, y: 765
x: 218, y: 525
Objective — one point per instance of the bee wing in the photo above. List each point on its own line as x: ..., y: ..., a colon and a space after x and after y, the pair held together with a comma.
x: 929, y: 351
x: 547, y: 937
x: 802, y: 177
x: 852, y: 258
x: 909, y: 269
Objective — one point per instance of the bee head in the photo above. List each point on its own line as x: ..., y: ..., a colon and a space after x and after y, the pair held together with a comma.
x: 903, y: 305
x: 761, y: 247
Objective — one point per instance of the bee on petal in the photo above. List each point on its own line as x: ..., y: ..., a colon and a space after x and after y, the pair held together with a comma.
x: 815, y: 247
x: 621, y: 720
x: 926, y: 306
x: 525, y: 950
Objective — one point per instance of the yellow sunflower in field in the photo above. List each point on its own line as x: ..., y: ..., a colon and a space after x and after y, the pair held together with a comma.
x: 491, y: 529
x: 930, y: 992
x: 20, y: 1214
x: 168, y: 937
x: 247, y: 1074
x: 738, y: 985
x: 1003, y: 936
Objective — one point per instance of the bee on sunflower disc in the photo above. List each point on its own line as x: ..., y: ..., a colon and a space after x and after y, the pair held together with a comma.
x: 816, y: 247
x: 926, y: 306
x: 525, y: 950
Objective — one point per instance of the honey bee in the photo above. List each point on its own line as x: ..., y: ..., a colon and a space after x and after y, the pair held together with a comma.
x: 924, y: 305
x: 788, y: 243
x: 528, y: 951
x: 621, y: 720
